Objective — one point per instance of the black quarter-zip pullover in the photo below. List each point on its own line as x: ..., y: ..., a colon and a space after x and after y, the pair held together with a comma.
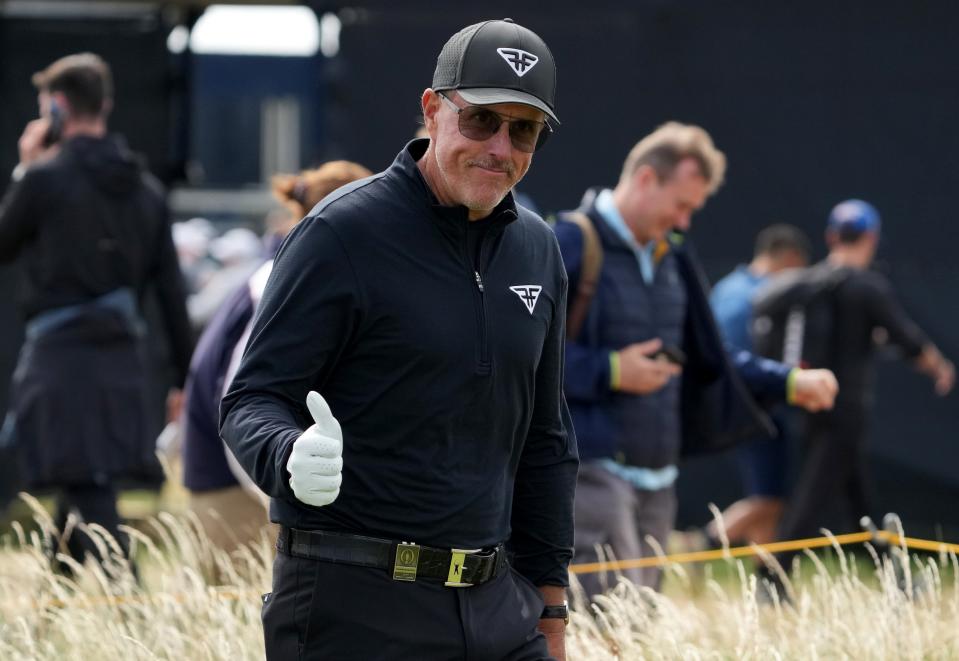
x: 443, y: 365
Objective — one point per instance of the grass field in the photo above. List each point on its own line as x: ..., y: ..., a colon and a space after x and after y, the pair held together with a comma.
x: 849, y: 607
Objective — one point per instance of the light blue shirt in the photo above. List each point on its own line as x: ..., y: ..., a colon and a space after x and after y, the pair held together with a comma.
x: 645, y: 479
x: 732, y: 303
x: 644, y: 254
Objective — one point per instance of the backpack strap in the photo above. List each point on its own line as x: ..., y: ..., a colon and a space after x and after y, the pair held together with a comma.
x: 590, y: 266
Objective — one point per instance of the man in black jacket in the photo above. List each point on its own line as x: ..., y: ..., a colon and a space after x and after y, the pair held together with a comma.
x: 834, y: 324
x: 92, y: 230
x: 426, y: 309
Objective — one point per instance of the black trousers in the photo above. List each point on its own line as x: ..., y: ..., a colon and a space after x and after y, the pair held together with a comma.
x: 831, y: 490
x: 321, y: 610
x: 91, y: 503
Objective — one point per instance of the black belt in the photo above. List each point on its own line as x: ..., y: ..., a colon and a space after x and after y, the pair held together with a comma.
x: 406, y: 562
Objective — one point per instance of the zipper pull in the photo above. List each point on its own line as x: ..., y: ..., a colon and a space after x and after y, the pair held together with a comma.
x: 479, y: 281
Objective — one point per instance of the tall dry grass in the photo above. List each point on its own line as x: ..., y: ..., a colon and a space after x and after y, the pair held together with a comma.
x: 174, y: 611
x: 891, y: 607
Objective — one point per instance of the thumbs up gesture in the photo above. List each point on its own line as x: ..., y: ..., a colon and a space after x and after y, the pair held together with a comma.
x: 316, y: 463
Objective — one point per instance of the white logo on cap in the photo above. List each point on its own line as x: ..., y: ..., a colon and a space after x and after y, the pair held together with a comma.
x: 520, y: 61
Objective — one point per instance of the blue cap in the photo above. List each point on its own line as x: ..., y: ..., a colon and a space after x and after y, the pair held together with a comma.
x: 853, y: 218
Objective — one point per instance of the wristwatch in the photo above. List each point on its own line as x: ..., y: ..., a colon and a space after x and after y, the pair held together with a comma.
x: 560, y: 612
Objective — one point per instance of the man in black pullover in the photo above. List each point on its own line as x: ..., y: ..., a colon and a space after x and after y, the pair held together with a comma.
x: 416, y: 319
x: 91, y: 228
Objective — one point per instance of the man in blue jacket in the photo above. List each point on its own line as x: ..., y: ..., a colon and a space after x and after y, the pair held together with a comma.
x: 400, y: 399
x: 763, y: 462
x: 647, y: 376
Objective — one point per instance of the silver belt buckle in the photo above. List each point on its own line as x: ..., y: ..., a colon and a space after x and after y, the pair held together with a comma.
x: 457, y: 566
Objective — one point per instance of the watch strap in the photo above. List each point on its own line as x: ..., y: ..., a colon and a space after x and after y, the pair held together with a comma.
x: 560, y: 612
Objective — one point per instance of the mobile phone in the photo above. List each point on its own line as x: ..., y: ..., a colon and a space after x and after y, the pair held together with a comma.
x: 55, y: 132
x: 674, y: 355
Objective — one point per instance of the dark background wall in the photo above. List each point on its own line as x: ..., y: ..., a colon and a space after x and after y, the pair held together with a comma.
x: 813, y: 103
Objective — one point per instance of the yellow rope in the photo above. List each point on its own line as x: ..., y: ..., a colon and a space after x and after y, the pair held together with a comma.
x: 756, y: 549
x: 583, y: 568
x: 921, y: 544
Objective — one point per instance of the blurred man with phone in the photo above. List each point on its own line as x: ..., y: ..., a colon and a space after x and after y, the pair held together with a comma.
x: 92, y: 230
x: 648, y: 379
x: 55, y: 124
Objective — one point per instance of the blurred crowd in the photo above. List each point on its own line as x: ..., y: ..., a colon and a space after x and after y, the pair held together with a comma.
x: 783, y: 307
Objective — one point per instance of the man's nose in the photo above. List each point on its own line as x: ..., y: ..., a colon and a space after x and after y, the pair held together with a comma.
x: 499, y: 143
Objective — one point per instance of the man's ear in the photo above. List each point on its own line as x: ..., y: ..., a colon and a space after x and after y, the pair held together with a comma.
x: 831, y: 238
x: 430, y: 102
x: 645, y: 176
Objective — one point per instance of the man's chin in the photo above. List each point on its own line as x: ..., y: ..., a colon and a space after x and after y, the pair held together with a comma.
x: 661, y: 234
x: 484, y: 202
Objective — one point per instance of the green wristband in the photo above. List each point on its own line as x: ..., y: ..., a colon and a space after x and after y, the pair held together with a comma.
x: 791, y: 385
x: 614, y: 370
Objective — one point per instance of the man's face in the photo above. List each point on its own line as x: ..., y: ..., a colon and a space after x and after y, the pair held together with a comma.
x: 476, y: 174
x: 669, y: 204
x: 788, y: 259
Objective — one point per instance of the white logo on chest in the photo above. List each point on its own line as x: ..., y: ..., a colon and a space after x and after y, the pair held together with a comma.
x: 529, y: 294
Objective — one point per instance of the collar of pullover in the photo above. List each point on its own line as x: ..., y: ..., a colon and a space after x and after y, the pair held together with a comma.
x: 451, y: 220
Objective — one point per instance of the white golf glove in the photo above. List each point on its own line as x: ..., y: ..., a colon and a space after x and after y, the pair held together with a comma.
x: 316, y: 463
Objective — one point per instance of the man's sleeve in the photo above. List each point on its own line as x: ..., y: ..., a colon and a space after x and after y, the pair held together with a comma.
x: 766, y: 379
x: 588, y: 376
x: 171, y: 296
x: 886, y: 312
x: 307, y: 315
x: 542, y: 519
x: 18, y: 217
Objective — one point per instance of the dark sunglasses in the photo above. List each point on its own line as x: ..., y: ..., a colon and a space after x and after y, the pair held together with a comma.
x: 479, y: 123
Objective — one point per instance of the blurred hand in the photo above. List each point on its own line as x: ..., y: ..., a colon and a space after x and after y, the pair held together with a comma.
x: 815, y: 390
x: 640, y: 374
x: 31, y: 145
x: 945, y: 377
x: 174, y: 405
x: 316, y: 462
x: 938, y: 368
x: 555, y: 631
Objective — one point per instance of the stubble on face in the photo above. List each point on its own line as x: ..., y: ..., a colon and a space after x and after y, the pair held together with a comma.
x: 483, y: 181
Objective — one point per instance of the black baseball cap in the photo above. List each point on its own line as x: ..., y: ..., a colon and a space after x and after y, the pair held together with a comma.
x: 498, y: 62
